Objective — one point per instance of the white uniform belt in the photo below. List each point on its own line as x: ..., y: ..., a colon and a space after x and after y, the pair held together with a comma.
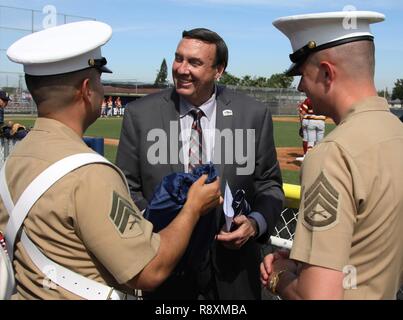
x: 37, y: 188
x: 71, y: 281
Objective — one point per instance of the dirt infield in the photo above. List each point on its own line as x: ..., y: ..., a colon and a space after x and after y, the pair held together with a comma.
x: 111, y: 142
x: 295, y: 119
x: 286, y: 119
x: 286, y: 156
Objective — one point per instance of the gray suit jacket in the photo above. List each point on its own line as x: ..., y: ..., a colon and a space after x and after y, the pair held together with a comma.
x: 236, y: 272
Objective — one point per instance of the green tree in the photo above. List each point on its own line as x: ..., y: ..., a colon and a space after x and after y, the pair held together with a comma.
x: 162, y: 76
x: 280, y: 80
x: 246, y: 81
x: 277, y: 80
x: 229, y: 79
x: 397, y: 92
x: 260, y: 82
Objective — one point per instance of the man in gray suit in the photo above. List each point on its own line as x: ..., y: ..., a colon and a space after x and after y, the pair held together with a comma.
x: 235, y: 132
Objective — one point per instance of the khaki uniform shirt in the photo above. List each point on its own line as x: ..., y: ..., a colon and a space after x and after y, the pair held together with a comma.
x: 86, y: 222
x: 351, y: 212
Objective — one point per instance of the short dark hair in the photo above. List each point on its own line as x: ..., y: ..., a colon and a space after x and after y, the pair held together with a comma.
x: 209, y: 36
x: 43, y: 88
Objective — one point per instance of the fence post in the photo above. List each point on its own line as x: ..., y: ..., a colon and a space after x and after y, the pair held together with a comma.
x: 32, y: 21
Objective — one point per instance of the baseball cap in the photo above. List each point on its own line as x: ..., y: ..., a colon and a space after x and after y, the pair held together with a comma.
x: 4, y: 96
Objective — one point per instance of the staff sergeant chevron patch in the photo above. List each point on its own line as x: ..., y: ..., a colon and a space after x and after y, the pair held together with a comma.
x: 320, y: 204
x: 124, y: 217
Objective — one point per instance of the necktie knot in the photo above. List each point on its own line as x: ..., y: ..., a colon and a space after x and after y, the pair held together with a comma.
x: 197, y: 114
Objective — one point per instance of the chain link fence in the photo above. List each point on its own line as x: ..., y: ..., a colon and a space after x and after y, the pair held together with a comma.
x: 282, y: 102
x: 6, y: 146
x: 21, y: 100
x: 16, y: 23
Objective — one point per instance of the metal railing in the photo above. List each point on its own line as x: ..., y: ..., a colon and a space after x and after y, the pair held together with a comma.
x: 285, y: 229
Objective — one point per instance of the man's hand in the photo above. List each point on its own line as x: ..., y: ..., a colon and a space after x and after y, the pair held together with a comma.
x: 245, y: 229
x: 203, y: 197
x: 175, y: 237
x: 276, y: 262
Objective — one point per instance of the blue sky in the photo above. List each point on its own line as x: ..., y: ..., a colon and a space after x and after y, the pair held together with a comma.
x: 146, y: 31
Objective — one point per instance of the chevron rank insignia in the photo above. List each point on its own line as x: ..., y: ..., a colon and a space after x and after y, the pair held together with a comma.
x: 124, y: 217
x: 321, y: 204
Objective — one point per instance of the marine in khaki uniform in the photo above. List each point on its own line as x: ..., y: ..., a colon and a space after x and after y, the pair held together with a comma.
x: 348, y: 239
x: 86, y: 222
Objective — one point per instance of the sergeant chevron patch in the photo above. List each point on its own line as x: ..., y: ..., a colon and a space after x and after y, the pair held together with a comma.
x: 321, y: 204
x: 124, y: 217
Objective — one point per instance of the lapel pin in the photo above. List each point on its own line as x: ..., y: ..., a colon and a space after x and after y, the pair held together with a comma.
x: 227, y: 113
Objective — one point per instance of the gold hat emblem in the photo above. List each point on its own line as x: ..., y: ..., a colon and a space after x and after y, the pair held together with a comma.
x: 91, y: 62
x: 311, y: 44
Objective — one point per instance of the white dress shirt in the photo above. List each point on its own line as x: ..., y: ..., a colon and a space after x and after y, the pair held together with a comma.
x: 208, y: 124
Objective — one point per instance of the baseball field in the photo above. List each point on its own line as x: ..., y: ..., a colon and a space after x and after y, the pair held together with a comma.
x: 287, y: 140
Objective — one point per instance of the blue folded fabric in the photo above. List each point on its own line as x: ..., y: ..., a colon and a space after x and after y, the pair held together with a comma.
x: 239, y: 203
x: 169, y: 197
x: 240, y: 206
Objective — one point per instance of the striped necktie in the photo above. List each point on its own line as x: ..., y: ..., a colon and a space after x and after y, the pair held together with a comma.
x: 196, y: 149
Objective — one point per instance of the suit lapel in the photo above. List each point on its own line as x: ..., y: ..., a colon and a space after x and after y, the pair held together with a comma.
x: 224, y: 120
x: 171, y: 121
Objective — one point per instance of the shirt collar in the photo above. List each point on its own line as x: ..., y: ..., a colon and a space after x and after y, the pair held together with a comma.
x: 366, y: 105
x: 207, y: 107
x: 52, y: 126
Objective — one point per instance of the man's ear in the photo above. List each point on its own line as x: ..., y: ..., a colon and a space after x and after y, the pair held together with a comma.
x: 328, y: 73
x: 220, y: 71
x: 85, y: 90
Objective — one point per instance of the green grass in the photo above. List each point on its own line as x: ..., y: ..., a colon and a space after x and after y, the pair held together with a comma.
x: 110, y: 153
x: 108, y: 128
x: 285, y: 135
x: 291, y: 177
x: 27, y: 122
